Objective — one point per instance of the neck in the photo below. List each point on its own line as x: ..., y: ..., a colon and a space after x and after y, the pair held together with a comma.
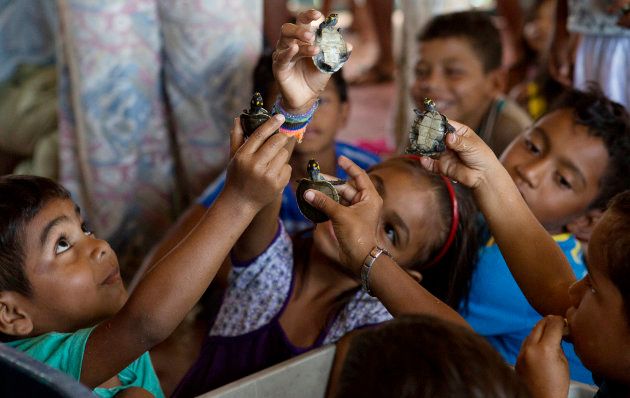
x: 478, y: 120
x: 326, y: 158
x: 323, y: 280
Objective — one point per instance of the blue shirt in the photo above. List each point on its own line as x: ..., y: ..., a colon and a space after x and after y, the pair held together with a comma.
x: 290, y: 214
x: 498, y: 310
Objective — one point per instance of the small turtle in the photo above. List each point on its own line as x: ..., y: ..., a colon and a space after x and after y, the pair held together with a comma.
x: 333, y: 49
x: 316, y: 181
x: 428, y: 131
x: 254, y: 117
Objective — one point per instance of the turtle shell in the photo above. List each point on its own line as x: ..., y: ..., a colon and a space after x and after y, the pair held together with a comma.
x: 427, y: 133
x: 309, y: 211
x: 250, y: 121
x: 333, y: 49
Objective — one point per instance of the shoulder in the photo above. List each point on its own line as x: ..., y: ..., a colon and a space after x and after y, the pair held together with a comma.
x: 512, y: 115
x: 361, y: 157
x: 139, y: 373
x: 362, y: 310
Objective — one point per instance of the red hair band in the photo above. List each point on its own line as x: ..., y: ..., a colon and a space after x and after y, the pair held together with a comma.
x: 454, y: 220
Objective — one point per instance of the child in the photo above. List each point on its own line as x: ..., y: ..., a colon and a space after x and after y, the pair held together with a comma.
x: 62, y: 299
x: 285, y: 297
x: 421, y: 356
x: 459, y: 67
x: 567, y: 166
x: 596, y: 307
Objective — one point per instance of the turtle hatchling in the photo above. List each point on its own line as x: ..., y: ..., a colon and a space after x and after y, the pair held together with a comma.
x: 254, y: 117
x: 333, y: 49
x: 428, y: 131
x: 316, y: 181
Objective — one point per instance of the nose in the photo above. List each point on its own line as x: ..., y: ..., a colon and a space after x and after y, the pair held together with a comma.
x: 533, y: 172
x: 576, y: 291
x: 99, y: 250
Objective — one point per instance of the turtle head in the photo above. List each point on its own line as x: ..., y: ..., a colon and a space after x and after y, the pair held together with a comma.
x: 257, y: 101
x: 312, y: 169
x: 331, y: 20
x: 429, y: 105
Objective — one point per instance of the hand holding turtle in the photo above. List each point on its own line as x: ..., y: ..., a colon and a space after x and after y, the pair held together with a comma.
x: 258, y: 170
x: 355, y: 226
x: 467, y: 160
x: 299, y: 81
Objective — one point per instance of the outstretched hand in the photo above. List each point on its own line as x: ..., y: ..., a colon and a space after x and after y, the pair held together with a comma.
x: 468, y: 159
x: 298, y: 79
x: 355, y: 226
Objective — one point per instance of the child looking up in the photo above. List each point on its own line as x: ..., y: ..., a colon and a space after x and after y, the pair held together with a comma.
x: 567, y: 166
x: 286, y: 297
x: 596, y: 307
x: 62, y: 299
x: 459, y: 67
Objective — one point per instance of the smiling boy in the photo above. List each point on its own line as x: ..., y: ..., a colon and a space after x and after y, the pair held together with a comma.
x: 459, y: 67
x: 566, y: 167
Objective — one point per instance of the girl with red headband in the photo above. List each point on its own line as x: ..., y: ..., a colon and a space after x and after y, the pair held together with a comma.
x: 287, y: 296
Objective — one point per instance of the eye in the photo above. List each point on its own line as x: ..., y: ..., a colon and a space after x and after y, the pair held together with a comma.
x: 531, y: 147
x: 422, y: 71
x: 86, y: 230
x: 62, y: 245
x: 563, y: 182
x: 454, y: 72
x: 390, y: 233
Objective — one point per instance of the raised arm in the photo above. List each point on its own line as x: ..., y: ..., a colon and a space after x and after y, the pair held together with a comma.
x: 256, y: 176
x: 535, y: 260
x: 356, y: 230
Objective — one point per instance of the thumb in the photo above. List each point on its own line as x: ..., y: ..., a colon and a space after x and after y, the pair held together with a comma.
x: 322, y: 202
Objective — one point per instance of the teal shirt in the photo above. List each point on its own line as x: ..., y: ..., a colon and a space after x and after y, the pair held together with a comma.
x: 64, y: 351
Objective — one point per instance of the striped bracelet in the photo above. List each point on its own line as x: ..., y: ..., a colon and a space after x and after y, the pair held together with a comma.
x: 294, y: 125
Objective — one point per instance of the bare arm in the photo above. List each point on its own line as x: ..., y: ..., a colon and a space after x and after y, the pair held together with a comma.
x: 355, y: 227
x: 537, y: 263
x: 176, y: 283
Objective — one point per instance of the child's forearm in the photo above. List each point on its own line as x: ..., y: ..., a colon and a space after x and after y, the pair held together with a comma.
x: 535, y: 260
x: 401, y: 294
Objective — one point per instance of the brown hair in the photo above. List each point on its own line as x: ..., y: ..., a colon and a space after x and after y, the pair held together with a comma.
x: 423, y: 356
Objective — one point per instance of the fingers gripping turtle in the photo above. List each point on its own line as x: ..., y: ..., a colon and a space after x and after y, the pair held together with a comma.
x: 316, y: 181
x: 254, y: 117
x: 428, y: 131
x: 333, y: 49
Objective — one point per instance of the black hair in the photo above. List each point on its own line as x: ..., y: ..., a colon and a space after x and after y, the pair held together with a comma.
x: 448, y: 279
x: 476, y: 27
x: 617, y: 248
x: 21, y: 198
x: 264, y: 80
x: 423, y: 356
x: 609, y: 121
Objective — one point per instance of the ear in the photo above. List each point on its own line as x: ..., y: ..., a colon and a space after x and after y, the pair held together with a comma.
x: 14, y: 319
x: 497, y: 79
x: 582, y: 227
x: 344, y: 113
x: 415, y: 275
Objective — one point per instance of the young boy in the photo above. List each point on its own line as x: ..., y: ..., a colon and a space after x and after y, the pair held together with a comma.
x: 596, y: 307
x: 62, y: 299
x: 459, y: 67
x: 566, y: 167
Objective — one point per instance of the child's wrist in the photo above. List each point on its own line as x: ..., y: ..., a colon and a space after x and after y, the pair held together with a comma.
x: 295, y: 120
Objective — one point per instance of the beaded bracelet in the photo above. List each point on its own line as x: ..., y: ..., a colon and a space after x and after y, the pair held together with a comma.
x: 294, y: 125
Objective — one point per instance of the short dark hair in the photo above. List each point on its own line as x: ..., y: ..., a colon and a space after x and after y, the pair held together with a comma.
x: 476, y: 27
x: 21, y: 198
x: 617, y: 248
x: 264, y: 79
x: 609, y: 121
x: 423, y: 356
